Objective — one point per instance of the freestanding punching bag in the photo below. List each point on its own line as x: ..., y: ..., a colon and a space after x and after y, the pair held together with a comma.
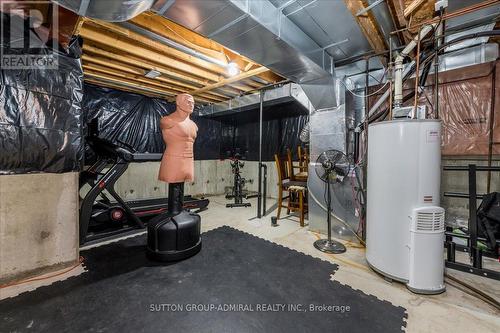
x: 174, y: 235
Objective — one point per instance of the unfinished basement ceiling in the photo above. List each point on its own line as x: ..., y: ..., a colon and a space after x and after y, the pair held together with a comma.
x: 329, y: 23
x: 300, y: 40
x: 331, y: 27
x: 153, y: 56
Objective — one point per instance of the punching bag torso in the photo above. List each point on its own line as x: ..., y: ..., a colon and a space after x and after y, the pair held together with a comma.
x: 177, y: 164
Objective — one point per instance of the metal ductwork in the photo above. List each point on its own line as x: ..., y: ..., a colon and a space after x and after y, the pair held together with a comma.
x: 263, y: 33
x: 289, y: 92
x: 109, y: 10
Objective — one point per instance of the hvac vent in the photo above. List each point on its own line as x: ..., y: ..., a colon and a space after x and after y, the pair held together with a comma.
x: 428, y: 219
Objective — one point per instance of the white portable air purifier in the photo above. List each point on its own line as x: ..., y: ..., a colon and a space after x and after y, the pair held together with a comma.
x: 426, y: 251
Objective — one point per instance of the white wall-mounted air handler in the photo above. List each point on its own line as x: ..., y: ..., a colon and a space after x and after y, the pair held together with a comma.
x: 405, y: 225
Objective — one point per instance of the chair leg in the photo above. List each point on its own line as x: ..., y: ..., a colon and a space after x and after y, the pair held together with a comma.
x: 301, y: 208
x: 280, y: 202
x: 290, y: 198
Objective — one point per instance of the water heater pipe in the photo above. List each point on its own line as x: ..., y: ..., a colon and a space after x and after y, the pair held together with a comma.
x: 400, y: 72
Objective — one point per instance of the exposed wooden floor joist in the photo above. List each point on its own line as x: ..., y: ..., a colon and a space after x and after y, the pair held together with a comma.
x: 114, y: 56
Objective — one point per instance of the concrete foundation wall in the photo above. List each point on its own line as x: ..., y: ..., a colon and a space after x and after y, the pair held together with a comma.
x: 212, y: 177
x: 38, y: 224
x: 458, y: 181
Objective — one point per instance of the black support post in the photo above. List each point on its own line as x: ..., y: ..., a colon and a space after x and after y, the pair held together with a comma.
x: 264, y: 191
x: 473, y: 215
x: 259, y: 197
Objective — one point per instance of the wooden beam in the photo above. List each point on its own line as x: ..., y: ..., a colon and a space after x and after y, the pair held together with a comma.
x: 158, y: 46
x: 78, y: 26
x: 399, y: 6
x: 177, y: 33
x: 134, y: 79
x: 270, y: 77
x: 184, y: 36
x: 368, y: 26
x: 147, y: 65
x: 124, y: 88
x: 131, y: 90
x: 121, y: 81
x: 395, y: 18
x: 233, y: 79
x: 252, y: 83
x: 120, y: 43
x: 412, y: 7
x: 241, y: 86
x: 229, y: 91
x: 170, y: 84
x: 248, y: 67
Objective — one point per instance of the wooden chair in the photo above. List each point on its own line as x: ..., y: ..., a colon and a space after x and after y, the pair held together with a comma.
x: 296, y: 190
x: 303, y: 155
x: 301, y: 175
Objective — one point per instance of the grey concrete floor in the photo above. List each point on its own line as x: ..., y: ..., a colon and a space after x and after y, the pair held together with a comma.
x: 453, y: 311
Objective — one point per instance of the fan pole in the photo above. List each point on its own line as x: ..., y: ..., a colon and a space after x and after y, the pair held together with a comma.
x: 329, y: 245
x: 329, y: 208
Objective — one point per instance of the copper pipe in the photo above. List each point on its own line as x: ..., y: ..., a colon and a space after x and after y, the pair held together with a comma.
x: 391, y: 77
x: 460, y: 12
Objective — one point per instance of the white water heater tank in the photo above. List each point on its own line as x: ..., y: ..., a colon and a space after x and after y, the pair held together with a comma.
x: 404, y: 175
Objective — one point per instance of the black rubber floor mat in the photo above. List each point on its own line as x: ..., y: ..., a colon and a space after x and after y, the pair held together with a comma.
x: 237, y: 283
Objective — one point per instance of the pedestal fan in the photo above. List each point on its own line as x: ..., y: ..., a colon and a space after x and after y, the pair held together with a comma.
x: 332, y: 166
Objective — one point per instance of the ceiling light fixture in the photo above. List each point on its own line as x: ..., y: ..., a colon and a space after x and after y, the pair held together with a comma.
x: 232, y: 69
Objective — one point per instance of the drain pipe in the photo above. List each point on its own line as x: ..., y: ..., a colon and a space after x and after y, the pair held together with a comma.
x: 398, y: 81
x: 399, y: 72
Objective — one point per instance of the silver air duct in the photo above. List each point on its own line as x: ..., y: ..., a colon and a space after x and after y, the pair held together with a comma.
x: 109, y: 10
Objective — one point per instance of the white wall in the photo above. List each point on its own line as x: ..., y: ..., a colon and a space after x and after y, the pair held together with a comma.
x: 38, y: 224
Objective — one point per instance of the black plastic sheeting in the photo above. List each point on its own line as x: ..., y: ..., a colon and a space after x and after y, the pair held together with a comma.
x: 281, y: 126
x: 133, y: 119
x: 130, y: 118
x: 40, y: 109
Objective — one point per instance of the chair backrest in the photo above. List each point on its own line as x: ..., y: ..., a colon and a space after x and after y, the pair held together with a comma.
x: 281, y: 168
x: 300, y: 152
x: 303, y: 156
x: 289, y: 161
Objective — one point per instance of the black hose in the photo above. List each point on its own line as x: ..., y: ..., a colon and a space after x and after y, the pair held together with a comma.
x: 425, y: 74
x: 491, y: 33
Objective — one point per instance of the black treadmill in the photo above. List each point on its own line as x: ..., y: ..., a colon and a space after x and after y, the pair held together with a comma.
x: 103, y: 218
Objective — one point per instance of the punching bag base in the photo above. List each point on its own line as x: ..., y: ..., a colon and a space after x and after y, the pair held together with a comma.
x: 167, y: 256
x: 172, y: 238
